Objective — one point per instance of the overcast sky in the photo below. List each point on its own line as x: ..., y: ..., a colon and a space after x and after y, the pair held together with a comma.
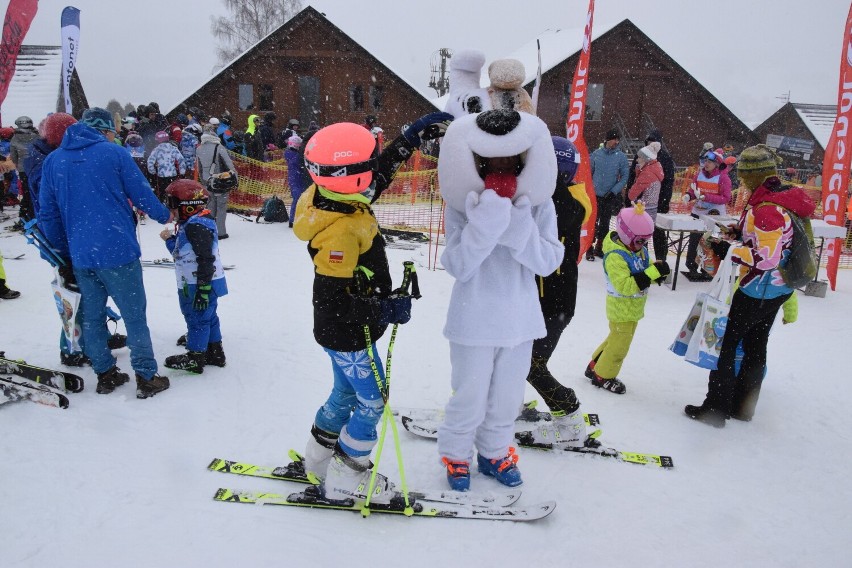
x: 748, y: 53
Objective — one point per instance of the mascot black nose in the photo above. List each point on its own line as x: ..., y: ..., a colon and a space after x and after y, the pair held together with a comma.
x: 498, y: 122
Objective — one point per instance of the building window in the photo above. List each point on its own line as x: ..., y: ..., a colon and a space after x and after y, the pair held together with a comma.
x: 376, y: 94
x: 594, y: 102
x: 265, y: 98
x: 356, y: 97
x: 245, y: 94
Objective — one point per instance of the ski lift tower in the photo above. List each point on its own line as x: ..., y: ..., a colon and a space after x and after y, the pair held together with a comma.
x: 438, y: 78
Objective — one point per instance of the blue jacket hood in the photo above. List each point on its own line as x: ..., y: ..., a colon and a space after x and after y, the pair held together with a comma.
x: 81, y: 135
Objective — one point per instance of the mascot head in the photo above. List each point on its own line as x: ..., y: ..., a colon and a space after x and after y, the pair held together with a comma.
x: 508, y: 151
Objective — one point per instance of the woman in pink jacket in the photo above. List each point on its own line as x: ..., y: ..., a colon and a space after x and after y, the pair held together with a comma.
x: 711, y: 192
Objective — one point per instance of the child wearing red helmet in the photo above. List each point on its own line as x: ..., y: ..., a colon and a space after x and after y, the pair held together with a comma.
x: 352, y: 292
x: 629, y: 274
x: 200, y: 276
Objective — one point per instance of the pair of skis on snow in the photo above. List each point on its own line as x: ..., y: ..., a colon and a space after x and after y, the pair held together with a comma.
x: 37, y: 384
x: 534, y: 429
x: 169, y: 263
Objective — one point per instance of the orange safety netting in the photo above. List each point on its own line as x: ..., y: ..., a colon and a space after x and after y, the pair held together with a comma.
x: 413, y: 202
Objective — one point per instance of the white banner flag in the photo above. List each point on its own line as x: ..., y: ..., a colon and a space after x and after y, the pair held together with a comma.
x: 70, y: 48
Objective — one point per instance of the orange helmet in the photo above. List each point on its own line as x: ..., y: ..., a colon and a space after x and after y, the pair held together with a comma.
x: 340, y: 157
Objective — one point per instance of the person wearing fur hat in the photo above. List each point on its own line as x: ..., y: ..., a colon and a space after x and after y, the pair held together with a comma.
x: 648, y: 179
x: 629, y: 274
x: 88, y: 186
x: 610, y: 171
x: 497, y: 172
x: 711, y: 192
x: 194, y: 245
x: 353, y: 296
x: 558, y: 298
x: 762, y: 241
x: 165, y: 164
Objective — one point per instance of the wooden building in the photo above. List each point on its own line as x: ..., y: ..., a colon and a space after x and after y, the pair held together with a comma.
x: 36, y: 87
x: 310, y: 69
x: 634, y: 87
x: 799, y: 133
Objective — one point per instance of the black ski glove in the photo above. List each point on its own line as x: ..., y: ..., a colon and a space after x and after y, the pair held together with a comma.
x: 427, y: 127
x: 663, y: 268
x: 202, y: 297
x: 395, y: 309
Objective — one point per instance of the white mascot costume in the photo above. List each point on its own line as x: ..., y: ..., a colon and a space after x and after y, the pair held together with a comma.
x: 497, y: 172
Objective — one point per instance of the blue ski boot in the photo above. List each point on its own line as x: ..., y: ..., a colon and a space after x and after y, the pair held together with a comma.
x: 503, y: 469
x: 458, y: 474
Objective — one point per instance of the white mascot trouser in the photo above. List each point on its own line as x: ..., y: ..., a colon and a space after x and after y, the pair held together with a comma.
x: 488, y: 389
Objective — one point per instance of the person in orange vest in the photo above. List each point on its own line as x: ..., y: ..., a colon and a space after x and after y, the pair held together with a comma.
x: 711, y: 192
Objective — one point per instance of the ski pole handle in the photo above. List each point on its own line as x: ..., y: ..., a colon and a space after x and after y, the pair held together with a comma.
x: 409, y: 278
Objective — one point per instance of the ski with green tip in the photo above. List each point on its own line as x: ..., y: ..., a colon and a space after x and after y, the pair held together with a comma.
x: 311, y: 498
x: 295, y: 472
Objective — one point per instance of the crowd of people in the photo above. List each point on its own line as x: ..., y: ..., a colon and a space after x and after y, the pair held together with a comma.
x: 513, y: 226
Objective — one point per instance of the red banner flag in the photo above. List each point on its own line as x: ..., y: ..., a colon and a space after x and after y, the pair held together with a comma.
x: 574, y: 127
x: 19, y: 16
x: 835, y: 167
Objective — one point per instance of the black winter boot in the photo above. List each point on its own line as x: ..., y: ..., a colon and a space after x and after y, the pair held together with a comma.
x: 215, y: 354
x: 558, y: 398
x: 192, y: 361
x: 74, y: 359
x: 109, y: 380
x: 150, y: 387
x: 711, y: 416
x: 181, y: 341
x: 7, y: 293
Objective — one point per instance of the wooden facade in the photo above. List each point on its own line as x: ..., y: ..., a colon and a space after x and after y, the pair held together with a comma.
x: 642, y: 88
x: 310, y: 70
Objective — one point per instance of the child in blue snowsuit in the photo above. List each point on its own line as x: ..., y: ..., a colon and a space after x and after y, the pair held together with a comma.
x: 200, y: 276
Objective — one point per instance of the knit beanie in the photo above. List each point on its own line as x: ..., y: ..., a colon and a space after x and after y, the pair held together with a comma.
x: 612, y: 135
x: 650, y: 151
x: 756, y: 163
x: 98, y: 118
x: 55, y: 126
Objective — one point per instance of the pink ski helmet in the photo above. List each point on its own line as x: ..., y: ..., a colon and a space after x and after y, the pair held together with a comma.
x: 634, y: 225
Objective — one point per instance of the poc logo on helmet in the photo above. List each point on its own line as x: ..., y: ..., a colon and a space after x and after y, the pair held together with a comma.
x: 343, y: 154
x: 564, y: 153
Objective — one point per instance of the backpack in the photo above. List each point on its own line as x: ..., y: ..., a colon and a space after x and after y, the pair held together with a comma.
x: 801, y: 266
x: 274, y: 210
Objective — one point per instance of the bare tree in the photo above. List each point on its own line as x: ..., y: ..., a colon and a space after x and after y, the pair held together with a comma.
x: 249, y: 22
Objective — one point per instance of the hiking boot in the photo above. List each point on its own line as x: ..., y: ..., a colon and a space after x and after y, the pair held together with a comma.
x: 116, y: 341
x: 192, y: 361
x: 590, y: 255
x: 74, y: 359
x: 109, y: 380
x: 502, y: 469
x: 215, y: 354
x: 612, y: 385
x: 150, y: 387
x: 348, y: 477
x: 458, y: 474
x: 711, y: 416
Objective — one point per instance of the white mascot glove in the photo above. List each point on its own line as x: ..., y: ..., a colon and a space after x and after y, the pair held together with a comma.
x: 521, y: 225
x: 488, y: 212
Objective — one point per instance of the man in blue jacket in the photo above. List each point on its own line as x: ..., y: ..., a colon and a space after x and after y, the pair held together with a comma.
x: 87, y: 187
x: 609, y: 175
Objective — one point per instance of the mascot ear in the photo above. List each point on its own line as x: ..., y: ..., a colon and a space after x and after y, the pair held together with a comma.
x: 472, y: 105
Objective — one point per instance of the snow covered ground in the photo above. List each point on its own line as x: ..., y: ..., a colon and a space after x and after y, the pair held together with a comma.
x: 116, y: 481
